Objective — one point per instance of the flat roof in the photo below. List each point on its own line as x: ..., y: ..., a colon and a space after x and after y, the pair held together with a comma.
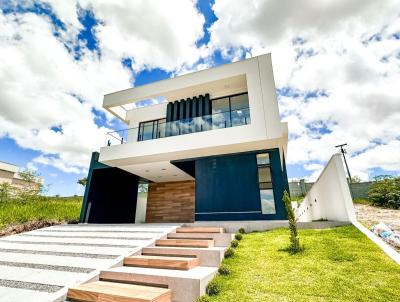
x: 218, y: 81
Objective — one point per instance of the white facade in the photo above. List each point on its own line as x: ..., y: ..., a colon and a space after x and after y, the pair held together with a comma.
x: 329, y: 198
x: 150, y: 159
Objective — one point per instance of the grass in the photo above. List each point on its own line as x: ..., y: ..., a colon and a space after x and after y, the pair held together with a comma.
x: 47, y: 208
x: 338, y: 264
x: 362, y: 201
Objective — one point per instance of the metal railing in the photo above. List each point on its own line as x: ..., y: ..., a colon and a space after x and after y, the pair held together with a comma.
x: 214, y: 121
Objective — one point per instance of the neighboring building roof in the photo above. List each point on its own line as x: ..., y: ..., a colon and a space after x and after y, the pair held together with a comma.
x: 8, y: 167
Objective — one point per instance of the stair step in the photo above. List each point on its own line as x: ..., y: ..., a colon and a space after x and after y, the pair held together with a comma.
x: 200, y: 230
x: 207, y: 257
x: 178, y: 263
x: 219, y: 239
x: 186, y: 286
x: 201, y: 243
x: 103, y: 291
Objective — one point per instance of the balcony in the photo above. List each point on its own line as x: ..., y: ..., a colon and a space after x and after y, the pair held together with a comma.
x: 159, y: 129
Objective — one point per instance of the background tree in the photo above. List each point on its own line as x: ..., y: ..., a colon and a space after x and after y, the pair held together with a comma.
x: 32, y: 186
x: 5, y: 190
x: 355, y: 179
x: 82, y: 181
x: 385, y: 192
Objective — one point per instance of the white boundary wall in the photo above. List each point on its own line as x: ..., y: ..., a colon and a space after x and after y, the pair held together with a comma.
x: 329, y: 198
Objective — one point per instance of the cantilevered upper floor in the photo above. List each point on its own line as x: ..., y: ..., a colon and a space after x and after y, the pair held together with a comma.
x: 227, y: 109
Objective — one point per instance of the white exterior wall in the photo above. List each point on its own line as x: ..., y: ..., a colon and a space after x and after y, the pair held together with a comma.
x: 264, y: 132
x: 329, y: 198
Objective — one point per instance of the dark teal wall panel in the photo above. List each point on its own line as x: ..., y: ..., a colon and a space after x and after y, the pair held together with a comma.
x: 110, y: 194
x: 227, y: 187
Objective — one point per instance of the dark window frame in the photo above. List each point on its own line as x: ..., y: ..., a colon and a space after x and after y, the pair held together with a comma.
x: 230, y: 104
x: 155, y: 128
x: 271, y: 183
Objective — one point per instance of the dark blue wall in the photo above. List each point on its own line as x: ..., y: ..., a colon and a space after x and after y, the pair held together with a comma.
x: 111, y: 193
x: 229, y: 183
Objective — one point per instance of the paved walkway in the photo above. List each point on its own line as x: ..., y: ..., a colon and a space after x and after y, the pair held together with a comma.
x: 40, y: 265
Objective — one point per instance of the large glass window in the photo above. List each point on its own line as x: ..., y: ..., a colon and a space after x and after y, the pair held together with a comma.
x: 221, y: 113
x: 231, y: 111
x: 151, y: 129
x: 265, y: 184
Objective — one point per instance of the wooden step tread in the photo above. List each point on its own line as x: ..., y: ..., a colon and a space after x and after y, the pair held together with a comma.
x: 103, y: 291
x: 201, y: 243
x: 199, y: 230
x: 164, y: 262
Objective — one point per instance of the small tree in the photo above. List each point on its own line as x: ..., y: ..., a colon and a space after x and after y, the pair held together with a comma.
x: 294, y: 238
x: 5, y: 190
x: 31, y: 187
x: 82, y: 181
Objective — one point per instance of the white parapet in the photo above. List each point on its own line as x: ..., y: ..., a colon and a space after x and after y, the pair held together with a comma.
x: 329, y: 198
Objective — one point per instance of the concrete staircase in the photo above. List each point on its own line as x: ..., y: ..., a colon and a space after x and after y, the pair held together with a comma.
x: 176, y: 269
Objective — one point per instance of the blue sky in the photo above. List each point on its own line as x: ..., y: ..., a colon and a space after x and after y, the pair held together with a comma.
x: 81, y: 52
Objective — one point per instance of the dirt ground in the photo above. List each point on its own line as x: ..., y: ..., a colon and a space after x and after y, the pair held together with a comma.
x: 370, y: 215
x: 27, y: 226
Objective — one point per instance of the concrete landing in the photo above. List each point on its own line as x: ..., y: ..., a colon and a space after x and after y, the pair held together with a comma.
x: 40, y: 265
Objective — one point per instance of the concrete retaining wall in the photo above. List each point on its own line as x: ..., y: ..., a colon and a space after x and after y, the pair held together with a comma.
x: 329, y: 198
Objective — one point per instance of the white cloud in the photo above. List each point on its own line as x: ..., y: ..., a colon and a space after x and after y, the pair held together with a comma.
x: 326, y: 46
x: 42, y: 85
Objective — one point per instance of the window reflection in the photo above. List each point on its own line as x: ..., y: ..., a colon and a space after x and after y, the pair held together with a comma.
x: 265, y: 184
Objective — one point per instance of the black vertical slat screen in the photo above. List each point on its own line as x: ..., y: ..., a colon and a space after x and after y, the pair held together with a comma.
x: 188, y: 107
x: 207, y: 104
x: 200, y: 106
x: 169, y: 111
x: 182, y: 109
x: 176, y: 111
x: 194, y: 106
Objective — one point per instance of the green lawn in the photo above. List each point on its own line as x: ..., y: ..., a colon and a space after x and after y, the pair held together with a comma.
x: 338, y: 264
x: 50, y: 208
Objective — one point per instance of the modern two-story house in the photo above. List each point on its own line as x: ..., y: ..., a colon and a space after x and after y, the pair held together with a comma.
x: 213, y: 150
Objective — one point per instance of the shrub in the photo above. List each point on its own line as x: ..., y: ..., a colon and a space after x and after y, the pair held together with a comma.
x: 234, y: 243
x: 203, y: 299
x: 224, y: 270
x: 229, y: 252
x: 385, y: 192
x: 213, y: 288
x: 294, y: 246
x: 242, y: 231
x: 238, y: 236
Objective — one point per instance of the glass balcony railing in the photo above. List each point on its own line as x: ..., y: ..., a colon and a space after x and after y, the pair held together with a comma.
x: 158, y: 130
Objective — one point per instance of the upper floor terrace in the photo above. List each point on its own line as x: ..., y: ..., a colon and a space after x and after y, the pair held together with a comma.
x: 227, y: 109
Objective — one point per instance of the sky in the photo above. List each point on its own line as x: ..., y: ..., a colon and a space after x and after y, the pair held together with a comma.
x: 336, y: 67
